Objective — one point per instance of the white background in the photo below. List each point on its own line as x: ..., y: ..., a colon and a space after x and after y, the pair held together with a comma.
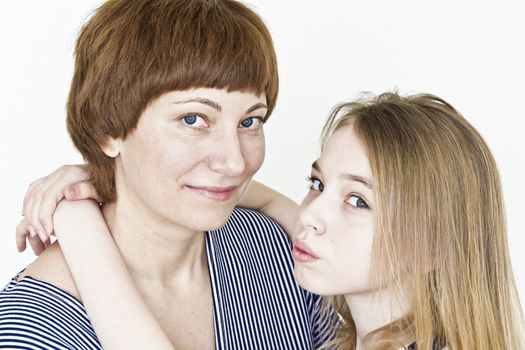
x: 469, y: 52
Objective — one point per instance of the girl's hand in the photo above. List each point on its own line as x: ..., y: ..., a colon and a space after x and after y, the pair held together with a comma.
x: 42, y: 197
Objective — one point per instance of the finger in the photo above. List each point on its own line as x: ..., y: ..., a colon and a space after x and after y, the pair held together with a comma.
x: 76, y: 173
x: 36, y: 245
x: 53, y: 185
x: 33, y: 215
x: 47, y: 243
x: 34, y: 240
x: 28, y: 209
x: 22, y: 233
x: 81, y: 190
x: 32, y: 232
x: 27, y: 196
x: 42, y: 205
x: 27, y: 216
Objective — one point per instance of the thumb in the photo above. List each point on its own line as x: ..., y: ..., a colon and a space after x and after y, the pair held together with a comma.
x: 81, y: 190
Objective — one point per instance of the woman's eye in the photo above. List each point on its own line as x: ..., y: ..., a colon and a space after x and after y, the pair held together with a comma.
x: 251, y: 123
x: 357, y: 202
x: 316, y: 184
x: 194, y: 120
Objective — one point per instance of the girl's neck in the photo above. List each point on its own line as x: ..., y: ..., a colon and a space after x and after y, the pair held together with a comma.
x: 372, y: 310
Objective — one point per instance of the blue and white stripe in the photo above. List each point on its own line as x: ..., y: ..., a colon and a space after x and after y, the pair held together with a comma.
x: 37, y: 315
x: 257, y: 303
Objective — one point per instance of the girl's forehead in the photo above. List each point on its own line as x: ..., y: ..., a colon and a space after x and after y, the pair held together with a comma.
x: 344, y: 161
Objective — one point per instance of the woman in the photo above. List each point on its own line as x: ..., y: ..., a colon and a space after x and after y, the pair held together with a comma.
x: 167, y: 106
x: 403, y: 229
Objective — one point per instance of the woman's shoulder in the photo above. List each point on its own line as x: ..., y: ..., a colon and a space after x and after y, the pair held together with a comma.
x: 247, y: 229
x: 51, y: 267
x: 37, y: 309
x: 246, y: 221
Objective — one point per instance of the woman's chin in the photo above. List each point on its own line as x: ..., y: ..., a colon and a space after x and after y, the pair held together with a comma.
x: 211, y: 221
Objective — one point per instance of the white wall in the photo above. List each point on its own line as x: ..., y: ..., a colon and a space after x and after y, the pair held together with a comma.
x: 469, y: 52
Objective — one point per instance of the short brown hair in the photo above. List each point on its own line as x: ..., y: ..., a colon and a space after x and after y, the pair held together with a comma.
x: 132, y: 51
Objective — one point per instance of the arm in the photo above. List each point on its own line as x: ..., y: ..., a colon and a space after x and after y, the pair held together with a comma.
x: 118, y: 313
x: 41, y: 199
x: 272, y: 203
x: 72, y: 182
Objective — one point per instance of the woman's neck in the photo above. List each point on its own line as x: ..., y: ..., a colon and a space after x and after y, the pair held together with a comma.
x: 375, y: 309
x: 155, y: 252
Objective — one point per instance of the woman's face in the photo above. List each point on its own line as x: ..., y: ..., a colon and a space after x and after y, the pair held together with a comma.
x: 335, y: 227
x: 191, y: 156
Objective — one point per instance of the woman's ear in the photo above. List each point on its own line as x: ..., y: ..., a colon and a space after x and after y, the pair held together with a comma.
x: 112, y: 147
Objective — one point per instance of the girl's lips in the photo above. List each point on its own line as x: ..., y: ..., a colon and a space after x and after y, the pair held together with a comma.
x: 215, y: 193
x: 302, y: 253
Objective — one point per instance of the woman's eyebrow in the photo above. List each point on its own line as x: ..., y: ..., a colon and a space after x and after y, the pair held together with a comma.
x: 217, y: 106
x: 202, y: 100
x: 256, y: 107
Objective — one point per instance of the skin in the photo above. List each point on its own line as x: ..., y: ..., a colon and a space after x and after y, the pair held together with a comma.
x: 336, y: 220
x: 333, y: 242
x: 194, y: 143
x: 179, y: 173
x: 333, y: 239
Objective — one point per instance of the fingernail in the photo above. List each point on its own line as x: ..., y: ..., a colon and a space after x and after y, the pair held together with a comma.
x: 48, y: 230
x: 42, y: 235
x: 31, y: 230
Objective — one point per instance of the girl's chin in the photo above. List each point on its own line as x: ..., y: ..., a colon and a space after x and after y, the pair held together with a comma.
x: 308, y: 282
x: 319, y: 284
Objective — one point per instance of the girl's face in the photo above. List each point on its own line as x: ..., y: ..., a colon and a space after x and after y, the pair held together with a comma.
x: 335, y: 227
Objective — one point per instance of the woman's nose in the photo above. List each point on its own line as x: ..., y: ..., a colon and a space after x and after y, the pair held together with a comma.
x: 227, y: 156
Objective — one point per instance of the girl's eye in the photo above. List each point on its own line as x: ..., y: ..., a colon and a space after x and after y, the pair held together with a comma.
x: 357, y: 202
x: 194, y: 120
x: 316, y: 184
x: 251, y: 123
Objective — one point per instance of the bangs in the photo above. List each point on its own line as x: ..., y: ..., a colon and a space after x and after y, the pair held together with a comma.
x: 131, y: 52
x: 214, y: 44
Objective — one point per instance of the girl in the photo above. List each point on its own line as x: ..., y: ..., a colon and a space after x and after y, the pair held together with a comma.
x: 403, y: 230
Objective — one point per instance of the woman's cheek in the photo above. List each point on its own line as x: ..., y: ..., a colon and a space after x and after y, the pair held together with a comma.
x: 253, y: 152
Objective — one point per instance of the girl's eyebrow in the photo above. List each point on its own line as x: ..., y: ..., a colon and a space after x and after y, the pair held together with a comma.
x: 350, y: 177
x: 357, y: 178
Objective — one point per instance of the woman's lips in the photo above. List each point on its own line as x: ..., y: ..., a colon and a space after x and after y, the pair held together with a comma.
x: 215, y: 193
x: 302, y: 253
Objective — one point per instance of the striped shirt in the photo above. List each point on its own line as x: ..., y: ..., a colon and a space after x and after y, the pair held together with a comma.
x: 256, y: 302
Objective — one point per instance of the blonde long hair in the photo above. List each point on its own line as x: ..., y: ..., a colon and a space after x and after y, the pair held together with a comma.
x: 440, y: 226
